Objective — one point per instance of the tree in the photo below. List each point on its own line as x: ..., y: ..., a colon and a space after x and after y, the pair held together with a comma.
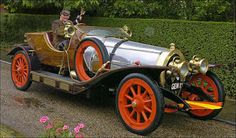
x: 209, y: 10
x: 216, y: 10
x: 131, y: 8
x: 15, y: 5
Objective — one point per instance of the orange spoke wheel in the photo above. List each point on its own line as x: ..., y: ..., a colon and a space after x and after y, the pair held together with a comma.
x: 20, y: 71
x: 139, y: 103
x: 80, y: 66
x: 210, y: 85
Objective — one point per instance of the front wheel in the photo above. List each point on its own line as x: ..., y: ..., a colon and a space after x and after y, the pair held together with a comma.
x: 211, y: 85
x: 20, y: 71
x: 139, y: 103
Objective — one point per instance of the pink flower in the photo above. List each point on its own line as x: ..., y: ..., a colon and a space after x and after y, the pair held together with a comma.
x: 43, y: 119
x: 65, y: 127
x: 49, y: 126
x: 76, y: 129
x: 81, y: 125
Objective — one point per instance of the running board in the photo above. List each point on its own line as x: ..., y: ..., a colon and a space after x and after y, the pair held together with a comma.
x: 196, y: 105
x: 57, y: 81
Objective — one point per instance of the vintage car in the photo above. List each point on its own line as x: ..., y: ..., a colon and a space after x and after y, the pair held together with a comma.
x: 139, y: 75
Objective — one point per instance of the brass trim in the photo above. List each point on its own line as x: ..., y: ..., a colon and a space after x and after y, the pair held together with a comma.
x: 46, y: 39
x: 162, y: 78
x: 164, y: 59
x: 168, y: 55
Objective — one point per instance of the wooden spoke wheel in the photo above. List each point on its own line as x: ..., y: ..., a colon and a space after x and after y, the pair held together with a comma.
x: 210, y: 85
x: 80, y: 66
x: 20, y: 71
x: 139, y: 104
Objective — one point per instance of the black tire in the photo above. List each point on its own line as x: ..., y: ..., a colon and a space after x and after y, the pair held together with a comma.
x: 100, y: 48
x: 27, y: 79
x: 158, y: 97
x: 221, y: 98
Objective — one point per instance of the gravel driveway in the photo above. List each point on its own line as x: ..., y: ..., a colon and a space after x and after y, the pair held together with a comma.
x: 22, y: 110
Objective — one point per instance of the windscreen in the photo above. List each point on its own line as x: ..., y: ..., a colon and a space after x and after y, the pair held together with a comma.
x: 103, y: 31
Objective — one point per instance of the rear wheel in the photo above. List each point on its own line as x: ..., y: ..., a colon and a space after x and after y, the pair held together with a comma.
x: 212, y: 86
x: 139, y: 104
x: 20, y: 71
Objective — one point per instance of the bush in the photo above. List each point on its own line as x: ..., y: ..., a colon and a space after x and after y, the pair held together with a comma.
x: 14, y: 26
x: 214, y: 41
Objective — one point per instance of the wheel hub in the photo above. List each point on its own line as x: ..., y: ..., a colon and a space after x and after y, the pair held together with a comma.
x: 20, y: 70
x: 134, y: 104
x: 138, y: 104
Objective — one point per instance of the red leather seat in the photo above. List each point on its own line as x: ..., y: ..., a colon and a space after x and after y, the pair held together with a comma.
x: 50, y: 36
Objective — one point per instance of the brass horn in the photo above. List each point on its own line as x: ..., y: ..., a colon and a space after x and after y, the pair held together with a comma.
x: 69, y: 29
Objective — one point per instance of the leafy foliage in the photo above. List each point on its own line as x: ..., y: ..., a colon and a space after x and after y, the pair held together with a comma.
x: 208, y: 10
x: 214, y: 41
x: 132, y: 8
x: 174, y: 9
x: 66, y: 4
x: 212, y: 9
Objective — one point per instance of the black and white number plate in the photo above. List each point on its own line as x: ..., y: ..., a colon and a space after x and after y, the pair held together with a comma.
x: 175, y: 86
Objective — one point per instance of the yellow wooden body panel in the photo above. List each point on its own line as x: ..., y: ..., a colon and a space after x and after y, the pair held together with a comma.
x: 45, y: 51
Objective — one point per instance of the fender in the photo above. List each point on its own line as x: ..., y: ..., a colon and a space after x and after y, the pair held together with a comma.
x: 113, y: 77
x: 19, y: 47
x: 33, y: 59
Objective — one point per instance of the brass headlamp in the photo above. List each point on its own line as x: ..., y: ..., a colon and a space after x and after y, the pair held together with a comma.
x: 69, y: 29
x: 179, y: 67
x: 198, y: 65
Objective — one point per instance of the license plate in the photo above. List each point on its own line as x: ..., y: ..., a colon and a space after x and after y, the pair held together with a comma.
x: 176, y: 86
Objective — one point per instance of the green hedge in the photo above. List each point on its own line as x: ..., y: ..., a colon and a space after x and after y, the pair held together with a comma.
x: 214, y: 41
x: 14, y: 26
